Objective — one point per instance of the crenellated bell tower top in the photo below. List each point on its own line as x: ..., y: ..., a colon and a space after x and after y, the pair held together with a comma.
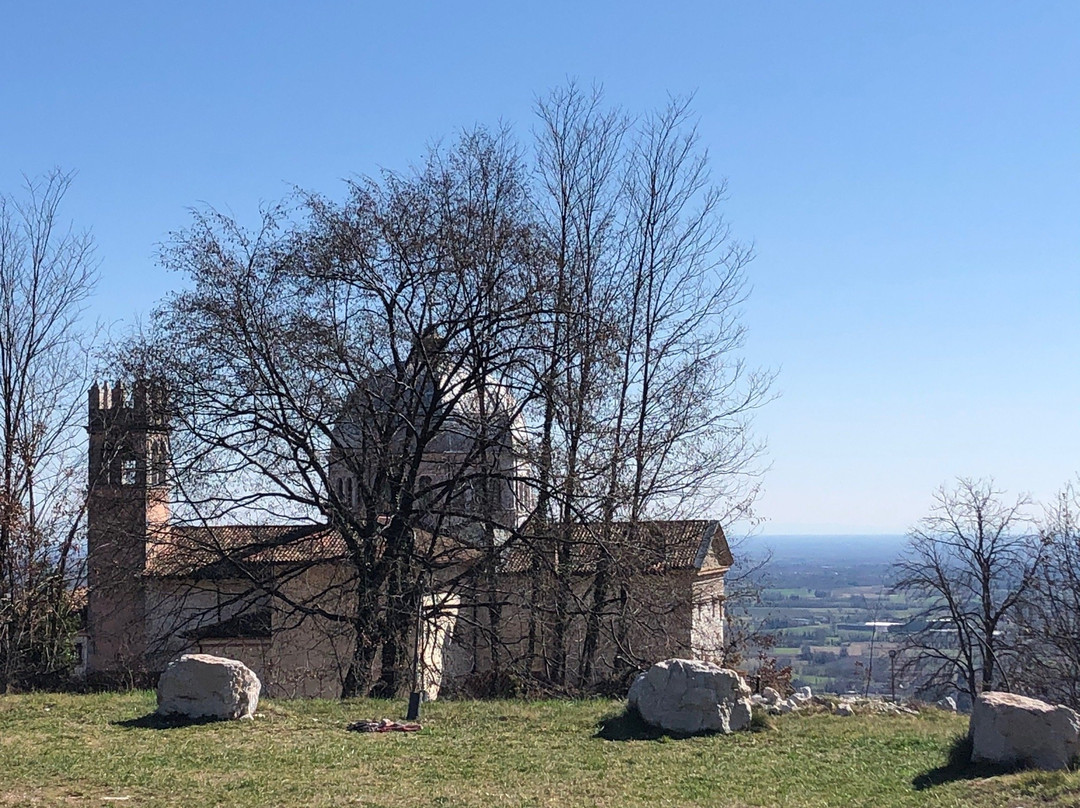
x: 139, y: 406
x: 128, y: 426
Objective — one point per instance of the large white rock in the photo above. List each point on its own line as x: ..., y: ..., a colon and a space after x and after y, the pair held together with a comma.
x: 205, y: 686
x: 685, y: 696
x: 948, y: 704
x: 1015, y: 730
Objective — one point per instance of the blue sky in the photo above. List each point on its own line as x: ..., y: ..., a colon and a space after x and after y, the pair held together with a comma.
x: 908, y: 173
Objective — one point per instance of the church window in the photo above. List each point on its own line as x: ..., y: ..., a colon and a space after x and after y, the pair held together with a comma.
x: 157, y: 464
x: 128, y: 471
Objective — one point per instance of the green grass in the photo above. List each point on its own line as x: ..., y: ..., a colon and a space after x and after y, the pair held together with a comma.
x: 80, y: 750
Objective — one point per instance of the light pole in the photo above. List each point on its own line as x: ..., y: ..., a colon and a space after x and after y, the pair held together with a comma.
x: 892, y: 673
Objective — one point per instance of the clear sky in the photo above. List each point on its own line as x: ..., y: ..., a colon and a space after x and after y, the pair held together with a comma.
x: 909, y: 174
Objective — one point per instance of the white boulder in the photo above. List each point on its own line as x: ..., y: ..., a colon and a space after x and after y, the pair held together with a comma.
x: 205, y: 686
x: 844, y: 708
x: 771, y: 695
x: 685, y: 696
x: 1014, y: 730
x: 948, y: 704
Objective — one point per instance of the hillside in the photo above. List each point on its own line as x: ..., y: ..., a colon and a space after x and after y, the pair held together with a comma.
x: 100, y: 750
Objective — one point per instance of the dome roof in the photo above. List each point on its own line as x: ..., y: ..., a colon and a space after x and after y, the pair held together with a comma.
x: 466, y: 406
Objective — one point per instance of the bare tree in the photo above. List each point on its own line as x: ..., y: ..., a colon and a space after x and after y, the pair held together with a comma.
x: 644, y: 399
x: 1050, y: 611
x: 321, y: 361
x: 329, y: 358
x: 47, y: 272
x: 578, y: 154
x: 682, y: 436
x: 970, y: 563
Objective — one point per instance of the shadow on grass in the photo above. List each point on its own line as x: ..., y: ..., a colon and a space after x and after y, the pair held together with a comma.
x: 959, y: 767
x: 627, y: 726
x: 155, y: 721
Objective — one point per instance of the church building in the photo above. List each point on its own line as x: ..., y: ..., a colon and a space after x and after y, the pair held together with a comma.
x: 157, y: 588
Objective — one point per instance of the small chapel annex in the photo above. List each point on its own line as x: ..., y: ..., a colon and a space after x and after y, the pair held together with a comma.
x: 157, y: 589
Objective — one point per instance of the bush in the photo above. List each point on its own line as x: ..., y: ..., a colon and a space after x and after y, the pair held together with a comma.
x: 488, y: 685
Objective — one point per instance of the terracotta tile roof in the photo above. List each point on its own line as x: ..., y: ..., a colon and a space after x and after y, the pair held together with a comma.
x: 655, y: 547
x: 223, y: 551
x: 183, y: 550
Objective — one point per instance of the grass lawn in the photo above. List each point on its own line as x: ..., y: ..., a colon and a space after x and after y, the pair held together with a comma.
x: 93, y: 750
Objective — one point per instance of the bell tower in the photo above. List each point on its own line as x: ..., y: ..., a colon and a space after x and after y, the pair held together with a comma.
x: 127, y: 510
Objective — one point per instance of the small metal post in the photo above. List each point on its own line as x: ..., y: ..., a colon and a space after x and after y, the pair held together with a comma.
x: 414, y: 697
x: 892, y: 673
x: 414, y: 707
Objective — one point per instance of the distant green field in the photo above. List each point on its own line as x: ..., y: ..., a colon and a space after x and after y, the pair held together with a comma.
x: 784, y: 650
x: 102, y: 750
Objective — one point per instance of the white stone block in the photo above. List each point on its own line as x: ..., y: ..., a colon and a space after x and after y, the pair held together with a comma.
x: 687, y: 697
x: 205, y: 686
x: 1014, y: 730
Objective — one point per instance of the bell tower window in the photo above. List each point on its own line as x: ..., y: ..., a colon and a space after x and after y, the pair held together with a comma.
x: 128, y: 469
x: 157, y: 464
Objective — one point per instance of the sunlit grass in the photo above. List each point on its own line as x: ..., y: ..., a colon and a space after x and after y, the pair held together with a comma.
x: 74, y: 750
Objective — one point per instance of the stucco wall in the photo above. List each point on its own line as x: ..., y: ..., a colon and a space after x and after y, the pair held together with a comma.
x: 656, y: 624
x: 307, y: 655
x: 707, y: 628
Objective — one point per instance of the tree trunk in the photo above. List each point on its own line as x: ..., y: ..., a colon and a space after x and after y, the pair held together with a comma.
x: 359, y: 677
x: 593, y: 620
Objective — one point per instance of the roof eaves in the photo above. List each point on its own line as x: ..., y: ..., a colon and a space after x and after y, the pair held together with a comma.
x: 706, y: 543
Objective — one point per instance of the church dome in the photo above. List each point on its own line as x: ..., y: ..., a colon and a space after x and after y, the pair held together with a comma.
x: 471, y: 430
